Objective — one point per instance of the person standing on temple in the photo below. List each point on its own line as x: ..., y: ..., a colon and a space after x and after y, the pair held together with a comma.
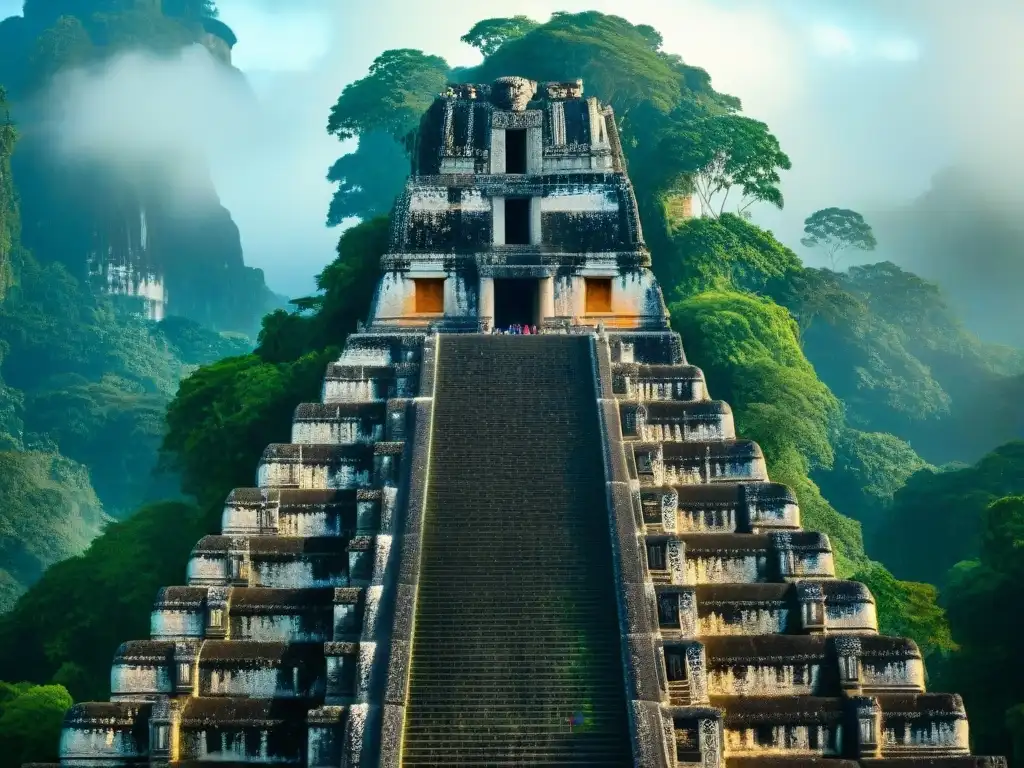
x: 526, y: 330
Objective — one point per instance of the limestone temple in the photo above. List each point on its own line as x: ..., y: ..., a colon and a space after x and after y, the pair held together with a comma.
x: 486, y: 549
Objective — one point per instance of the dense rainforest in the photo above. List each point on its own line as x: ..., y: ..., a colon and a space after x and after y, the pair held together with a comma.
x: 85, y: 374
x: 899, y: 430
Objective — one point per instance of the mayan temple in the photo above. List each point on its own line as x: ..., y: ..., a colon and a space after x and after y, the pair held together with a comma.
x: 484, y: 549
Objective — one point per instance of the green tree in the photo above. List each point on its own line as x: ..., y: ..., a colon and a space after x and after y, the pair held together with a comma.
x: 113, y: 426
x: 748, y: 349
x: 382, y: 110
x: 30, y: 725
x: 65, y: 45
x: 48, y: 512
x: 936, y: 518
x: 909, y: 609
x: 225, y: 414
x: 489, y: 35
x: 890, y: 347
x: 981, y: 599
x: 71, y: 622
x: 138, y: 28
x: 8, y: 207
x: 191, y: 9
x: 869, y: 469
x: 369, y: 179
x: 835, y: 230
x: 393, y: 96
x: 723, y: 153
x: 708, y: 254
x: 619, y: 62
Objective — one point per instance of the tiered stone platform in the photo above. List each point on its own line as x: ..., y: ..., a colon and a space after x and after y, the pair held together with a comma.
x: 276, y: 650
x: 761, y: 656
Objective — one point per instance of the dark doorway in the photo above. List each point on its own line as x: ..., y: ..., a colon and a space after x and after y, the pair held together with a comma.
x: 515, y: 151
x: 515, y: 302
x: 517, y: 221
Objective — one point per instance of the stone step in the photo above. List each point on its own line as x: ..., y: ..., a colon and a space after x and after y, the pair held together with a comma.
x: 693, y: 463
x: 281, y: 562
x: 244, y: 729
x: 355, y: 383
x: 258, y: 614
x: 754, y: 725
x: 739, y: 558
x: 808, y: 665
x: 339, y: 423
x: 790, y: 762
x: 646, y: 383
x: 219, y: 668
x: 325, y: 466
x: 720, y: 508
x: 832, y: 605
x: 303, y: 513
x: 943, y: 761
x: 646, y: 347
x: 677, y: 421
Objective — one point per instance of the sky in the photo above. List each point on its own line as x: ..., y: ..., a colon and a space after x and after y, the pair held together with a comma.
x: 869, y: 98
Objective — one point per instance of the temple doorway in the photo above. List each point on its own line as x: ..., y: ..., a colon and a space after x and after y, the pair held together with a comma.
x: 516, y: 302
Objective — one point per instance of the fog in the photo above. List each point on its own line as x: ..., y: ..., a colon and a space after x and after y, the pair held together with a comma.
x: 870, y: 100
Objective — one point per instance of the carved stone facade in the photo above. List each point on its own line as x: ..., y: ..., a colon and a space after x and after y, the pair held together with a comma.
x: 292, y: 642
x: 520, y: 213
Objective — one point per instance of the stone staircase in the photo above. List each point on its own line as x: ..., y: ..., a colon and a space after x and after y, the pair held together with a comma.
x: 516, y: 657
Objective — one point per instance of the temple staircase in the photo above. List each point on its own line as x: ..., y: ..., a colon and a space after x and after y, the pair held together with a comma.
x: 516, y: 657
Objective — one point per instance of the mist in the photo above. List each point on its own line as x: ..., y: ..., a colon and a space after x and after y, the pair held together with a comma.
x: 141, y: 116
x: 871, y: 102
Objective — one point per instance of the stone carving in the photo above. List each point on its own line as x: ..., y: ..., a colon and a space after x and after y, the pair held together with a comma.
x: 513, y: 93
x: 710, y: 746
x: 563, y: 91
x: 847, y: 645
x: 469, y: 91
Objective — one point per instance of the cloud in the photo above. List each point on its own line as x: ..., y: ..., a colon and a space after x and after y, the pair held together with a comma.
x: 140, y: 112
x: 830, y: 40
x: 898, y: 49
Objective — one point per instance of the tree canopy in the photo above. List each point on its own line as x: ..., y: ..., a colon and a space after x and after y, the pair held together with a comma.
x: 982, y: 599
x: 935, y: 519
x: 393, y: 96
x: 714, y: 253
x: 489, y: 35
x: 834, y: 230
x: 30, y: 721
x: 67, y: 627
x: 727, y: 153
x: 891, y: 348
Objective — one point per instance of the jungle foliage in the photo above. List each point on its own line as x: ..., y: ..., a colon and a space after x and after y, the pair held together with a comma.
x: 84, y: 385
x: 844, y: 379
x: 981, y: 603
x: 30, y: 722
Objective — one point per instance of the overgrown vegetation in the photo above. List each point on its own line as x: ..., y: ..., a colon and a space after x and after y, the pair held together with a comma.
x: 84, y: 380
x: 853, y: 383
